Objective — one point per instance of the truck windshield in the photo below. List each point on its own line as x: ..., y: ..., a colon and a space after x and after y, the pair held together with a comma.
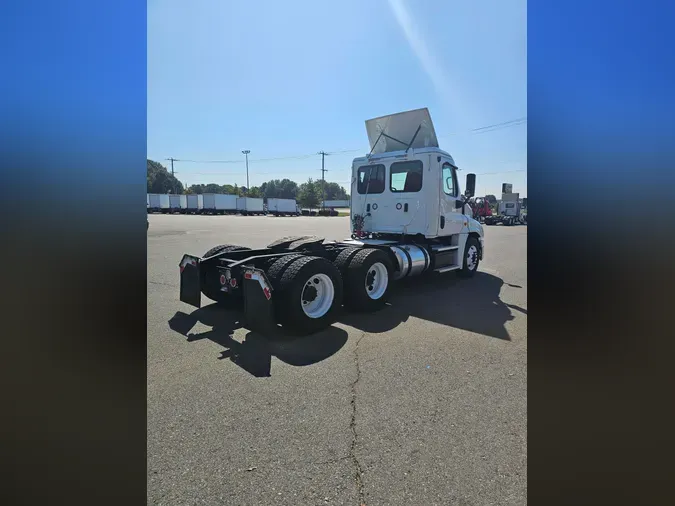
x: 370, y: 179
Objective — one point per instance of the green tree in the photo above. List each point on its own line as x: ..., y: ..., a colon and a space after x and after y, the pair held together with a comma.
x: 254, y: 192
x: 159, y: 180
x: 288, y: 189
x: 308, y: 195
x: 212, y: 188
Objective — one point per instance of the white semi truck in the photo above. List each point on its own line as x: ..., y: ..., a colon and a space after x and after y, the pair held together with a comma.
x: 408, y: 215
x: 509, y: 211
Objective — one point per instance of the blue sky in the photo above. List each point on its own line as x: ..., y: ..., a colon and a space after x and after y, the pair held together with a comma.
x: 285, y: 79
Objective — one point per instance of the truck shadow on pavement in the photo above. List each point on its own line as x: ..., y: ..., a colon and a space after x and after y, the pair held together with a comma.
x: 254, y: 354
x: 467, y: 304
x: 473, y: 305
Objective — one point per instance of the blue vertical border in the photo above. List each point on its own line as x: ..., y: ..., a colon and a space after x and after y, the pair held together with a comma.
x: 601, y: 146
x: 73, y: 156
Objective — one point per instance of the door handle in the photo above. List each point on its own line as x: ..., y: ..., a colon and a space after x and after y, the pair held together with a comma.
x: 368, y: 208
x: 405, y: 207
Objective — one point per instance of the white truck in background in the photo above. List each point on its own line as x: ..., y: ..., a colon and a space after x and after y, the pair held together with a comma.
x: 178, y: 203
x: 282, y: 207
x: 509, y: 211
x: 219, y: 203
x: 250, y: 206
x: 158, y: 203
x: 195, y: 203
x: 336, y: 204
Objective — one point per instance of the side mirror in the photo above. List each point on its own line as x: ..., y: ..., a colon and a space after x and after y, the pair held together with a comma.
x: 459, y: 203
x: 470, y: 185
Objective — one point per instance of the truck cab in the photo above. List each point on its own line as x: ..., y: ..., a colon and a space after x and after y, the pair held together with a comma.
x: 407, y: 185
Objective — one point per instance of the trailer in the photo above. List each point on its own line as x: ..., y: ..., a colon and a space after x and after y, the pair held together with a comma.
x: 408, y: 217
x: 336, y: 204
x: 250, y: 206
x: 178, y: 203
x: 195, y: 203
x: 218, y: 203
x: 509, y: 211
x: 282, y: 207
x: 158, y: 203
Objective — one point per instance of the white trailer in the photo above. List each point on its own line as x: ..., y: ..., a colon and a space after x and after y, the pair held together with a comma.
x: 195, y: 203
x: 282, y: 207
x: 250, y: 205
x: 219, y: 203
x: 178, y: 203
x: 158, y: 203
x: 336, y: 204
x: 408, y: 217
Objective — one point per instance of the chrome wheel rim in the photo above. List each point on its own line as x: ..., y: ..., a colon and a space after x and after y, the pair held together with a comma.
x: 317, y: 295
x: 472, y: 258
x: 377, y: 280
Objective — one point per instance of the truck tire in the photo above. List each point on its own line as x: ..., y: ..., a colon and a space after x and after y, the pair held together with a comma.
x: 471, y: 258
x: 343, y: 258
x: 211, y: 283
x: 307, y: 292
x: 367, y: 280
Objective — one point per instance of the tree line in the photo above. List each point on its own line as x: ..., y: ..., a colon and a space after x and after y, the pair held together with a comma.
x: 308, y: 194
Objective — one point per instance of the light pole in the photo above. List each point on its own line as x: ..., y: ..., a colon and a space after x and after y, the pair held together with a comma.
x: 246, y: 152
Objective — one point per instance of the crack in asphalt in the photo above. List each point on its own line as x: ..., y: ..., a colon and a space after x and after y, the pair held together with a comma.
x: 333, y: 461
x: 163, y: 284
x: 358, y: 470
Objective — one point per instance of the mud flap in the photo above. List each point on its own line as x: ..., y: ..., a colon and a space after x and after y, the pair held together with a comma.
x: 190, y: 289
x: 258, y: 305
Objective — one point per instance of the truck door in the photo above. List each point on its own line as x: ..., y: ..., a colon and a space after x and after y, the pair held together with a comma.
x: 407, y: 199
x: 453, y: 220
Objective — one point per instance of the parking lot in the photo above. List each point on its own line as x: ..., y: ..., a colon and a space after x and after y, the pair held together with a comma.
x: 421, y: 403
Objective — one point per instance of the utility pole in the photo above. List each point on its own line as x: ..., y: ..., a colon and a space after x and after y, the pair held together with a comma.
x: 246, y: 152
x: 172, y: 172
x: 323, y: 179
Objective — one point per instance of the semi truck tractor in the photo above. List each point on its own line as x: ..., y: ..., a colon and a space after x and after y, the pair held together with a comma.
x: 408, y: 217
x: 509, y: 211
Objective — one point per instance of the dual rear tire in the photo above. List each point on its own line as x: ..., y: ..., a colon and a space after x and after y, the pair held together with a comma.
x: 309, y: 291
x: 367, y: 273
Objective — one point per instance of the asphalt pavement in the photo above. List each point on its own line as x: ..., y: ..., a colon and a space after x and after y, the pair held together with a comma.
x: 422, y: 403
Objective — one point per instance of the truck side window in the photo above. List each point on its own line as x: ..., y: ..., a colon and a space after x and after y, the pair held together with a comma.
x: 370, y: 177
x: 405, y: 177
x: 449, y: 180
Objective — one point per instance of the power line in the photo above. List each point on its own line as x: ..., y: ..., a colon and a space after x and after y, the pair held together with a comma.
x: 483, y: 129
